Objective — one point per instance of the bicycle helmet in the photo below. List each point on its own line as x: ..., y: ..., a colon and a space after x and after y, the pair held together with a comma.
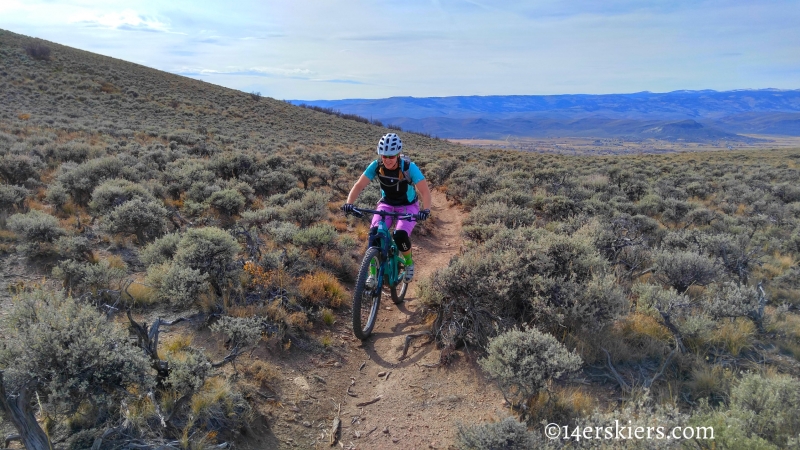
x: 390, y: 145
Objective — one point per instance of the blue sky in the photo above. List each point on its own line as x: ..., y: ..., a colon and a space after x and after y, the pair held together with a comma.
x: 334, y: 49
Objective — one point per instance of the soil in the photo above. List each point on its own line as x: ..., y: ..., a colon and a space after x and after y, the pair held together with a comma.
x: 381, y: 400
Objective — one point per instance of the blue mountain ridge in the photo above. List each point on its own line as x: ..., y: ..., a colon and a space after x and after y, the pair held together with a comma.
x: 719, y: 114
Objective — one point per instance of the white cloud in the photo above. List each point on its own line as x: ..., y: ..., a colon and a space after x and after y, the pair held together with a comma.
x: 124, y: 20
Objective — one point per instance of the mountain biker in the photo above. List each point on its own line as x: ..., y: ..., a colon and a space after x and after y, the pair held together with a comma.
x: 399, y: 194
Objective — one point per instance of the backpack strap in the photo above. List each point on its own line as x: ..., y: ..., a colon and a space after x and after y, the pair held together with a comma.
x: 405, y: 166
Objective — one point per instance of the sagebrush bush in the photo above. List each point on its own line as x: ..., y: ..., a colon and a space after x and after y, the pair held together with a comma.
x: 227, y: 201
x: 113, y: 193
x: 17, y: 169
x: 507, y: 434
x: 36, y: 229
x: 210, y: 251
x: 81, y: 276
x: 681, y: 269
x: 318, y: 238
x: 731, y: 300
x: 145, y: 219
x: 313, y: 207
x: 161, y: 249
x: 12, y: 197
x: 53, y: 339
x: 176, y: 285
x: 240, y: 332
x: 523, y: 362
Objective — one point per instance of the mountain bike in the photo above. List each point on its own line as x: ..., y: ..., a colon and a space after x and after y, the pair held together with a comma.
x: 386, y: 263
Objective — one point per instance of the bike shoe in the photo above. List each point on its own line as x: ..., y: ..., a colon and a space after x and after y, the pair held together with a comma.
x: 409, y: 272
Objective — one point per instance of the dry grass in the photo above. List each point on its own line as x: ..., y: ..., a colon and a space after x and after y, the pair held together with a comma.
x: 733, y: 335
x: 322, y: 289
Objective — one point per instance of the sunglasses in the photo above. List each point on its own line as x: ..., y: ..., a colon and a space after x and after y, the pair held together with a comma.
x: 389, y: 157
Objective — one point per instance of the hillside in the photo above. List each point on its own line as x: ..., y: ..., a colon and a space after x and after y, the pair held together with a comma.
x: 177, y: 274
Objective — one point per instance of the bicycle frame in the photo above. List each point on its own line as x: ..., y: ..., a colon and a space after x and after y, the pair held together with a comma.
x: 382, y: 239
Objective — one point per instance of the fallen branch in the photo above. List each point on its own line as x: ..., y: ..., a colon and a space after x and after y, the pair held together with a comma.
x: 622, y: 384
x: 409, y: 338
x: 374, y: 400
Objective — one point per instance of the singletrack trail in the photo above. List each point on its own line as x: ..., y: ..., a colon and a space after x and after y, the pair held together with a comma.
x: 418, y: 402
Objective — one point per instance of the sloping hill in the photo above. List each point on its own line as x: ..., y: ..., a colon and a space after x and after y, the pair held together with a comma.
x: 81, y: 91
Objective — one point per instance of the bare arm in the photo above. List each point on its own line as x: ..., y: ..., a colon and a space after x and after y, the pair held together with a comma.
x: 357, y: 188
x: 424, y: 193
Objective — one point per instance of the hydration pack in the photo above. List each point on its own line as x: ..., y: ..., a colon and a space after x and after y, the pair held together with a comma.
x: 405, y: 165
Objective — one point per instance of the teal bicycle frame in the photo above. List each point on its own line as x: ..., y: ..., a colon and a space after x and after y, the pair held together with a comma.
x: 383, y: 253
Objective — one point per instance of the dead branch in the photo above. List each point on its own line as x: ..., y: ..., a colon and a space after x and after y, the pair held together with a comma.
x: 409, y: 338
x: 374, y: 400
x: 622, y: 384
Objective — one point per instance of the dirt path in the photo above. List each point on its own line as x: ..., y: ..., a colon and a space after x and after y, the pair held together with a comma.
x: 413, y: 403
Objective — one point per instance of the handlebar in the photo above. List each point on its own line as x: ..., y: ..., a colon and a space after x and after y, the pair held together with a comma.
x: 359, y: 212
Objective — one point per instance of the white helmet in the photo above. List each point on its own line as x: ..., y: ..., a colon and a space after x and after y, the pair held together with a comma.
x: 390, y: 145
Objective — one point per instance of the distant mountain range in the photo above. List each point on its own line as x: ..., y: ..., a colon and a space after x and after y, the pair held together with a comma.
x: 680, y: 115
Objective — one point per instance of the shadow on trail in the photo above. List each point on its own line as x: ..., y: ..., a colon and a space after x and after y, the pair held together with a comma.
x: 384, y: 348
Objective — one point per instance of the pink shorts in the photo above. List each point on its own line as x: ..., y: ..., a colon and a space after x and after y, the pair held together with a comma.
x: 405, y: 225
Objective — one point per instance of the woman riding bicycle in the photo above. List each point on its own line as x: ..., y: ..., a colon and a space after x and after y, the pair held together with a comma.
x: 398, y: 178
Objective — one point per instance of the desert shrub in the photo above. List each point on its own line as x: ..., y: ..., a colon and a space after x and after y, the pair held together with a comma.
x: 275, y: 182
x: 313, y: 207
x: 227, y: 201
x: 731, y: 300
x: 640, y: 410
x: 681, y: 269
x: 36, y: 229
x: 468, y: 183
x: 440, y: 172
x: 304, y: 172
x: 175, y: 285
x: 650, y: 205
x: 112, y: 193
x: 318, y: 238
x: 209, y: 250
x: 757, y: 415
x: 322, y: 289
x: 12, y: 197
x: 508, y: 434
x: 76, y: 152
x: 524, y: 361
x: 80, y: 180
x: 52, y: 340
x: 57, y: 195
x: 520, y: 276
x: 81, y: 276
x: 145, y: 219
x: 17, y: 169
x: 38, y: 51
x: 701, y: 217
x: 261, y: 217
x: 160, y: 250
x: 201, y: 191
x: 74, y: 247
x: 556, y: 207
x: 227, y: 165
x: 239, y: 332
x: 510, y: 216
x: 737, y: 253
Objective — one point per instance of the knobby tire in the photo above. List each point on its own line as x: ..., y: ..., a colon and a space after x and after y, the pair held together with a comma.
x: 366, y: 304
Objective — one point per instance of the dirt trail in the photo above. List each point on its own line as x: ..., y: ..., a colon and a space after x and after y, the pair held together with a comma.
x: 419, y: 403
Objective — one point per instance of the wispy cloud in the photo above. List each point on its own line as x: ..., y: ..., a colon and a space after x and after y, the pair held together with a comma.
x: 128, y: 20
x: 270, y: 72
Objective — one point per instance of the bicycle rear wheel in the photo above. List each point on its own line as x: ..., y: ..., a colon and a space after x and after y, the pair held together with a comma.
x: 365, y: 300
x: 399, y: 291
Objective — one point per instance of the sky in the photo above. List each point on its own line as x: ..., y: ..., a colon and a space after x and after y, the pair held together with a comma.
x: 336, y: 49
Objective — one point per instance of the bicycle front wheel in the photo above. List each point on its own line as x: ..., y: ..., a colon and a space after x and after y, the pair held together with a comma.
x: 366, y: 299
